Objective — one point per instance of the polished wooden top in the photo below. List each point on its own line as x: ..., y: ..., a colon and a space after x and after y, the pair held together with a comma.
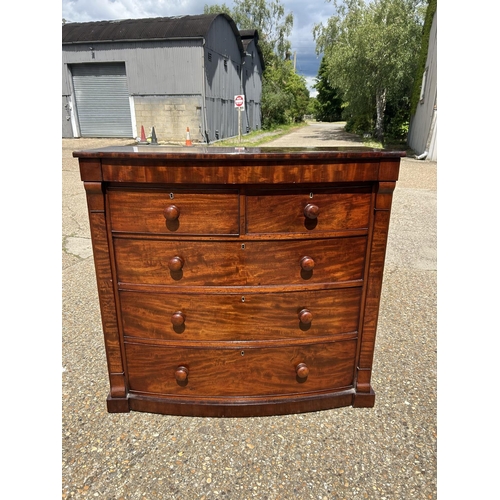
x: 218, y: 165
x: 260, y: 153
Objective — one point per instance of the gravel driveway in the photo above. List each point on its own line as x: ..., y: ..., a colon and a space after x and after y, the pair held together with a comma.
x: 386, y: 452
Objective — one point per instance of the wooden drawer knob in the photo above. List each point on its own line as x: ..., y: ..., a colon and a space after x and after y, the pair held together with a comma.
x: 311, y: 211
x: 176, y: 263
x: 172, y: 213
x: 305, y: 316
x: 181, y: 374
x: 178, y: 318
x: 307, y: 263
x: 302, y: 370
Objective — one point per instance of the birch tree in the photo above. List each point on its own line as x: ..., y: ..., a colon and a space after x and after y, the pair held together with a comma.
x: 371, y: 51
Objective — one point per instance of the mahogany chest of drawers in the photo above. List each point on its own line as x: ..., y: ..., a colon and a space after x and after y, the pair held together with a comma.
x: 239, y: 282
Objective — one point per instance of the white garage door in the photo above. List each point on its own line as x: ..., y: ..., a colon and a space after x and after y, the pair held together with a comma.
x: 102, y: 100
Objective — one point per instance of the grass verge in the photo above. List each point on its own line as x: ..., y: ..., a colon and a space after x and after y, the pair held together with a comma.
x: 259, y: 137
x: 388, y: 144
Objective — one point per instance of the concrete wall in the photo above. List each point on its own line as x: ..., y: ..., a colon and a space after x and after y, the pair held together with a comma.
x: 170, y: 116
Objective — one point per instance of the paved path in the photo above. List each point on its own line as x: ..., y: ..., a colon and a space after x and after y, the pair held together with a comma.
x: 318, y: 134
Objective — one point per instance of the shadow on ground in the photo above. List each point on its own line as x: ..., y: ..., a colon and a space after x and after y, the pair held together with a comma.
x: 334, y: 135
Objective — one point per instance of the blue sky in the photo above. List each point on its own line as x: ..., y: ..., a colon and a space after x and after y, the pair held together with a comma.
x: 305, y: 13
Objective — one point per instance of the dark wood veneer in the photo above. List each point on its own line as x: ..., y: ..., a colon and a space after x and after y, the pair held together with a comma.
x: 237, y: 282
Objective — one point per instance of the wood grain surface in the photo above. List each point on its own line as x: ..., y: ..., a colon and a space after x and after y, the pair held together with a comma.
x: 240, y: 371
x: 239, y: 316
x: 239, y: 282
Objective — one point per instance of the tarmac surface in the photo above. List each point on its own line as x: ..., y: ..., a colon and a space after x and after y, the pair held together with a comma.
x: 387, y: 452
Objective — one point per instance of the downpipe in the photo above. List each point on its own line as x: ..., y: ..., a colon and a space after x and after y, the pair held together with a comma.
x: 423, y: 156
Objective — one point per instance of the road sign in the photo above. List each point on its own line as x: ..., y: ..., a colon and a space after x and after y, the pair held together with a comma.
x: 239, y: 101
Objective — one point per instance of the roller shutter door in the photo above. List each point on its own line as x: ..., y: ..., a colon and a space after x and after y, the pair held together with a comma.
x: 102, y: 100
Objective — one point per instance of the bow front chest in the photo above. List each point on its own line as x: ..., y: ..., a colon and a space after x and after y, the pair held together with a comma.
x: 239, y: 282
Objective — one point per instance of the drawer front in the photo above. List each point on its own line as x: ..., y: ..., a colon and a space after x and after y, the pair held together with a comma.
x: 212, y: 263
x: 174, y: 212
x: 242, y: 371
x: 252, y: 316
x: 308, y: 210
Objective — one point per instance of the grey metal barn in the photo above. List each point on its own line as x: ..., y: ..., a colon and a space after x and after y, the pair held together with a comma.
x: 169, y: 73
x: 252, y: 79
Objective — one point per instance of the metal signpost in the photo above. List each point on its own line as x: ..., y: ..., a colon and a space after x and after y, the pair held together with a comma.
x: 239, y: 104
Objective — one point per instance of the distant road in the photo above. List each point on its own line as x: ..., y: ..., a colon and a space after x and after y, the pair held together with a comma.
x: 318, y: 134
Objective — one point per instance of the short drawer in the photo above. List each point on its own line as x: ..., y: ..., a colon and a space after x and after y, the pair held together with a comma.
x: 174, y: 212
x: 306, y: 211
x: 253, y: 263
x: 240, y: 371
x: 243, y: 316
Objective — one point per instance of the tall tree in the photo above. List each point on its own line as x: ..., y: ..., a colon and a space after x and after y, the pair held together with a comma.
x: 268, y: 17
x: 371, y: 49
x: 329, y: 102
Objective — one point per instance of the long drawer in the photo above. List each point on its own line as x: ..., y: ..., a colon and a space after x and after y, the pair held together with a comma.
x: 240, y: 371
x: 253, y: 263
x: 307, y: 210
x: 174, y: 211
x: 242, y: 316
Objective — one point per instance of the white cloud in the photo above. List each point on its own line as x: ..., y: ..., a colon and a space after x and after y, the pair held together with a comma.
x: 310, y: 82
x: 100, y: 10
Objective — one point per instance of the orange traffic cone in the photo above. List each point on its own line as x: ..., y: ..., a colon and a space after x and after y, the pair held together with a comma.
x: 143, y: 134
x: 188, y: 139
